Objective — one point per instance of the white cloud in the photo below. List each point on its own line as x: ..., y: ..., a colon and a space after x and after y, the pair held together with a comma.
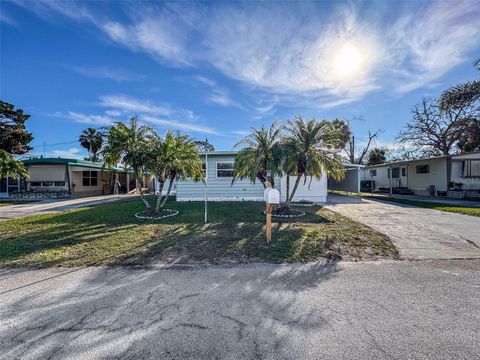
x: 157, y: 35
x: 108, y: 73
x: 72, y: 153
x: 239, y: 132
x: 217, y: 94
x: 427, y: 44
x: 180, y: 125
x: 7, y: 20
x: 122, y: 107
x: 320, y: 54
x: 97, y: 120
x: 46, y: 8
x: 136, y: 106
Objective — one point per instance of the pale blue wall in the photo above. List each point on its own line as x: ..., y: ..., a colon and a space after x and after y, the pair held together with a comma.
x: 219, y: 188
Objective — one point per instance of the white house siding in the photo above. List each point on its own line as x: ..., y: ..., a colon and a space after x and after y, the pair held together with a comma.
x: 437, y: 176
x: 457, y: 175
x: 222, y: 189
x: 314, y: 190
x: 219, y: 189
x: 418, y: 183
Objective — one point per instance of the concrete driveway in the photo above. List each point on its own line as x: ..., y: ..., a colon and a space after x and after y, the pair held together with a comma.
x: 53, y: 205
x: 381, y: 310
x: 417, y: 232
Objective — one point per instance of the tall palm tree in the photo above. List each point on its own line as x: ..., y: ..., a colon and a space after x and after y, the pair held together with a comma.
x: 462, y: 94
x: 174, y: 157
x: 9, y: 167
x: 129, y: 144
x: 311, y: 145
x: 260, y: 155
x: 92, y: 140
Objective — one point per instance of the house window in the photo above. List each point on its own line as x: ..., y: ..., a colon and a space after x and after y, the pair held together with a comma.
x: 404, y: 172
x: 471, y: 168
x: 35, y: 183
x: 373, y: 172
x: 204, y: 167
x: 59, y: 183
x: 225, y: 169
x: 89, y: 178
x: 423, y: 169
x: 395, y: 172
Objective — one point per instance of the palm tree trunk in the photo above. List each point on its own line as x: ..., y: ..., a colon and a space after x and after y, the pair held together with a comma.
x: 115, y: 185
x: 287, y: 188
x: 140, y: 191
x: 297, y: 181
x: 168, y: 193
x: 159, y: 198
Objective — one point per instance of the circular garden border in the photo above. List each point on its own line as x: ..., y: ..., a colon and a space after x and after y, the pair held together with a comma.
x: 292, y: 216
x: 146, y: 215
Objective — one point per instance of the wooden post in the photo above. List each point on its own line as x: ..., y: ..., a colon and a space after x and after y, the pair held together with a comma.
x: 268, y: 229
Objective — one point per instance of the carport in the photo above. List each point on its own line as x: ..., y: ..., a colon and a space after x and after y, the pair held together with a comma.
x: 351, y: 181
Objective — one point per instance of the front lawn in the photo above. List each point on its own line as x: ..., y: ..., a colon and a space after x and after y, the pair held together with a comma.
x: 110, y: 234
x: 467, y: 210
x: 6, y: 202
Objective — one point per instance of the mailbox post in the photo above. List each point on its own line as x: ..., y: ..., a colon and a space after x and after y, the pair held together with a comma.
x: 271, y: 197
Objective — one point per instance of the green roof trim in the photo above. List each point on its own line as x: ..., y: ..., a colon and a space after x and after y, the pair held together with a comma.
x: 76, y: 162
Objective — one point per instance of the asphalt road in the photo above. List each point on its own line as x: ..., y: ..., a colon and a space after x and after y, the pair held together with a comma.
x: 377, y: 310
x: 418, y: 233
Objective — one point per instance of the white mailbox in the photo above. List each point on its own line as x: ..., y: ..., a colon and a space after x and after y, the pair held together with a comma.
x: 273, y: 196
x: 265, y: 193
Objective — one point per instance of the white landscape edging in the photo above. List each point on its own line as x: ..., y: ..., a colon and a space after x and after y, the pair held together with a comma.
x: 299, y: 214
x: 171, y: 212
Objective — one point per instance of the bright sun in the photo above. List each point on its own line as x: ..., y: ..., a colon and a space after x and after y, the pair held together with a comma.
x: 347, y: 61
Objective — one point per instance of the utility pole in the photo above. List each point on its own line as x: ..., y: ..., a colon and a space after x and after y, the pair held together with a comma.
x: 206, y: 187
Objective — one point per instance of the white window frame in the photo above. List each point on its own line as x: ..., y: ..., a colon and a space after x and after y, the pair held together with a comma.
x: 223, y: 162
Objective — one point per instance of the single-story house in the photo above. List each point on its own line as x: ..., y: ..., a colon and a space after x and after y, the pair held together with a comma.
x: 449, y: 175
x: 219, y: 168
x: 62, y: 177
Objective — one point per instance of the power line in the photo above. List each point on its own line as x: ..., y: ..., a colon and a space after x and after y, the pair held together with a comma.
x: 62, y: 143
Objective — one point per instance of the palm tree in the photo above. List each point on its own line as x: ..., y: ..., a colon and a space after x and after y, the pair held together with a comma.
x: 9, y: 167
x: 462, y: 94
x: 311, y: 146
x: 172, y: 158
x: 129, y: 145
x: 377, y: 156
x: 260, y: 155
x: 92, y: 140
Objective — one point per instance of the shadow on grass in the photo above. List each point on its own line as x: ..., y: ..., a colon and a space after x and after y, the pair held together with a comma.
x: 110, y: 234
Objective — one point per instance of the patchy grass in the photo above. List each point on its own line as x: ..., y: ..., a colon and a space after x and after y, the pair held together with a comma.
x: 6, y: 202
x: 467, y: 210
x: 110, y: 234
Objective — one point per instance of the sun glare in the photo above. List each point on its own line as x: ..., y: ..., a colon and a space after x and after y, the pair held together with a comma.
x: 347, y: 61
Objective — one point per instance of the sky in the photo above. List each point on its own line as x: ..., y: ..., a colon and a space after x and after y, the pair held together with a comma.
x: 216, y: 69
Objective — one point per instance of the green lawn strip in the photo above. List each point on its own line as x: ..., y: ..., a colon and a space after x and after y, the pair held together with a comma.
x: 6, y: 202
x: 110, y: 234
x: 432, y: 205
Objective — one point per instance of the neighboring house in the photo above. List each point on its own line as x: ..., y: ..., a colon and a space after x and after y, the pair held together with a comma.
x: 65, y: 177
x: 219, y: 166
x: 449, y: 175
